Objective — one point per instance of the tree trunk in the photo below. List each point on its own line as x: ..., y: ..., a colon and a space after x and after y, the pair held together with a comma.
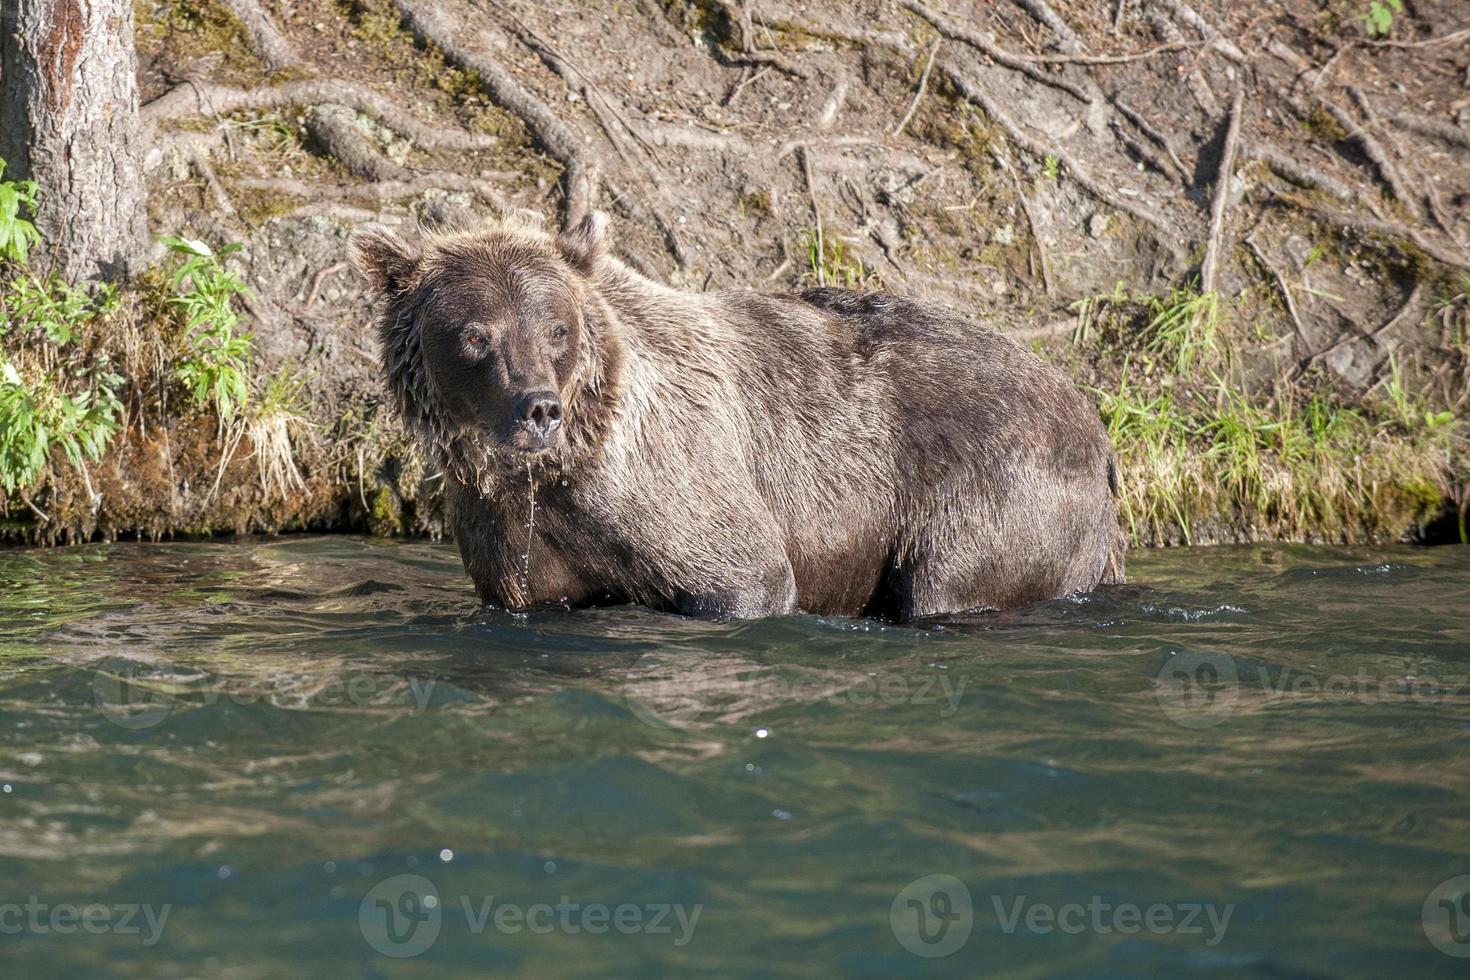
x: 69, y: 121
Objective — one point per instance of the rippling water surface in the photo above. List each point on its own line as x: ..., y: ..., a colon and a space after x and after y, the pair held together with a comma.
x: 317, y: 756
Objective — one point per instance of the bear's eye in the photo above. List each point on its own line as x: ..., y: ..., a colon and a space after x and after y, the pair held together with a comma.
x: 559, y: 332
x: 476, y: 344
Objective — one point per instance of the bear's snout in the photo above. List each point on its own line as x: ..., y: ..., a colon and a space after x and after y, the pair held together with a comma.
x: 539, y: 414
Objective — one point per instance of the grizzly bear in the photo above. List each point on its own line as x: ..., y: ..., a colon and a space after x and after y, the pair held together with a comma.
x: 605, y: 438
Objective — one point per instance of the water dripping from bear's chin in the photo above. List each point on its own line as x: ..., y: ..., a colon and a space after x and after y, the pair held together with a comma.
x: 530, y: 530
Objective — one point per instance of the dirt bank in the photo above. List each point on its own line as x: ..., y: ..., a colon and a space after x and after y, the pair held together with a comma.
x: 1242, y: 224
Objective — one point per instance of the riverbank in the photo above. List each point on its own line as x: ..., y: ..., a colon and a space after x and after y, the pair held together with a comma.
x: 1280, y: 354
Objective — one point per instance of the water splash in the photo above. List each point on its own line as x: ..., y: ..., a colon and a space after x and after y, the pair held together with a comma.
x: 530, y: 530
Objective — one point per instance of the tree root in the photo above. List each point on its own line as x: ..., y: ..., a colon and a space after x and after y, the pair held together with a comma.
x: 266, y: 39
x: 1106, y: 59
x: 742, y: 25
x: 1168, y: 235
x: 381, y: 191
x: 1299, y: 173
x: 619, y: 129
x: 984, y: 43
x: 1045, y: 261
x: 1392, y: 229
x: 199, y: 158
x: 1429, y: 42
x: 1210, y: 268
x: 565, y: 146
x: 1373, y: 149
x: 335, y: 129
x: 200, y: 98
x: 1296, y: 320
x: 1434, y: 128
x: 1167, y: 31
x: 835, y: 29
x: 1149, y: 130
x: 1041, y: 10
x: 919, y: 95
x: 1187, y: 14
x: 1145, y: 153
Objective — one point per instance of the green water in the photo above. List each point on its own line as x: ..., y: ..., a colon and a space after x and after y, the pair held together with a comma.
x: 223, y: 759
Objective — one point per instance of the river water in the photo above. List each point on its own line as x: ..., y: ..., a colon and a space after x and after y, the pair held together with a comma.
x: 317, y: 756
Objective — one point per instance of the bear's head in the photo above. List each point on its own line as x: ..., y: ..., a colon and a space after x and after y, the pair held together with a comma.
x: 487, y: 342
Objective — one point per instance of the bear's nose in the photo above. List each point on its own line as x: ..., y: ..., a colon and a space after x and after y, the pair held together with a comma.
x: 539, y: 411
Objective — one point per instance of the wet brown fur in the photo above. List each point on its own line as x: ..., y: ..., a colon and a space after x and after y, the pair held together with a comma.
x: 734, y: 453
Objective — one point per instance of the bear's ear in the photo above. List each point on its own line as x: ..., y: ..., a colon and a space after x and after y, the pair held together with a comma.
x: 582, y: 244
x: 386, y: 260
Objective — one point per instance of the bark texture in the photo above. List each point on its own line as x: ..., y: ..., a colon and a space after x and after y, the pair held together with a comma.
x: 70, y: 123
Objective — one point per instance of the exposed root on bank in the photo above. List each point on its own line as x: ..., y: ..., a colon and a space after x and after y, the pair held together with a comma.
x: 557, y: 138
x: 984, y: 43
x: 1210, y: 269
x: 1169, y: 236
x: 1041, y: 10
x: 266, y: 39
x: 381, y: 191
x: 205, y: 99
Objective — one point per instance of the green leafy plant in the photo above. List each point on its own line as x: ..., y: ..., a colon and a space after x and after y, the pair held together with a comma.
x: 52, y: 393
x: 215, y: 361
x: 34, y: 417
x: 52, y: 307
x: 17, y: 234
x: 1378, y: 18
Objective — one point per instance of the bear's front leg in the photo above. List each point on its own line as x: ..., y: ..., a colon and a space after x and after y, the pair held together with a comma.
x: 768, y: 592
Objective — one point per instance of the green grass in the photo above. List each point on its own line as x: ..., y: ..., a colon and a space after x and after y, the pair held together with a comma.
x: 1184, y: 327
x: 1207, y: 454
x: 831, y: 261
